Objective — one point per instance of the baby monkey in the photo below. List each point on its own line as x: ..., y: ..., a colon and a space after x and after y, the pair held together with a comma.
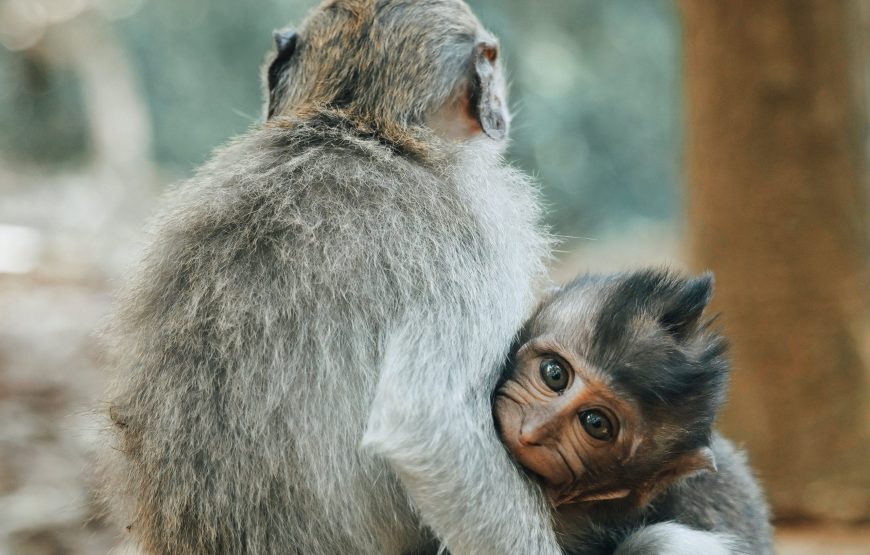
x: 609, y: 400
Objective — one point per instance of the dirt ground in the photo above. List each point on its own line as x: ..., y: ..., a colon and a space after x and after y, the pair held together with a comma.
x: 815, y: 539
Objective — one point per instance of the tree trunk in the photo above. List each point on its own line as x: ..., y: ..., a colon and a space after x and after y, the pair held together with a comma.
x: 776, y: 208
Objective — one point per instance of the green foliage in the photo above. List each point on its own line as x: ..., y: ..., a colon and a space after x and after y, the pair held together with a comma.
x: 597, y: 99
x: 199, y: 65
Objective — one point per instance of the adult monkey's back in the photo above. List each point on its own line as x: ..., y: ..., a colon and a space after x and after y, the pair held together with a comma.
x: 306, y: 353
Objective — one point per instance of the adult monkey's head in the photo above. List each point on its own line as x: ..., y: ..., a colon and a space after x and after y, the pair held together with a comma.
x: 392, y: 66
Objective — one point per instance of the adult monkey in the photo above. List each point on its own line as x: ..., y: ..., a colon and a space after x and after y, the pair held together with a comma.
x: 308, y: 350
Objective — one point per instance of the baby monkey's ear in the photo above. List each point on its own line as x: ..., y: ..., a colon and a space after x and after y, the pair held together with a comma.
x: 682, y: 466
x: 683, y: 311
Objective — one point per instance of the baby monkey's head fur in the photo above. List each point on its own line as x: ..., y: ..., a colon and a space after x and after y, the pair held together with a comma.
x: 391, y: 66
x: 614, y: 386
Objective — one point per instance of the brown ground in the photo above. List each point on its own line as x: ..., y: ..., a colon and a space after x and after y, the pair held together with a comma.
x: 814, y: 539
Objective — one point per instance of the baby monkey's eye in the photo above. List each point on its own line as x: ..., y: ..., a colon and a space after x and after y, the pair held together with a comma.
x: 596, y: 424
x: 554, y: 374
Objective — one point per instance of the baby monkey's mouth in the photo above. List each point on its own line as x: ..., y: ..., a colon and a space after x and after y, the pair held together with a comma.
x: 556, y: 494
x: 544, y: 463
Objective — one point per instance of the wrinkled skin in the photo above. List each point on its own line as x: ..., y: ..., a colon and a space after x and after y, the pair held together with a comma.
x: 544, y: 431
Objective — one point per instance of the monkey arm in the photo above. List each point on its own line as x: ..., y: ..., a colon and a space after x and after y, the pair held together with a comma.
x: 431, y: 419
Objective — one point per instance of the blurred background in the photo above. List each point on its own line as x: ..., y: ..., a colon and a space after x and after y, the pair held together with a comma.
x: 728, y: 135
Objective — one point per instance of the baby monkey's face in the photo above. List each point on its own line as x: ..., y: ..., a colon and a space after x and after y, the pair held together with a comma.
x: 614, y: 390
x: 563, y: 422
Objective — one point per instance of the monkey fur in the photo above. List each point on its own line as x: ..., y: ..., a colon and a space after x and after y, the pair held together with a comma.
x: 305, y: 355
x: 610, y: 398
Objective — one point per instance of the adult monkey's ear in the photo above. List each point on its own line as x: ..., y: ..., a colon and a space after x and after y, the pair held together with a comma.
x: 285, y: 46
x: 487, y: 104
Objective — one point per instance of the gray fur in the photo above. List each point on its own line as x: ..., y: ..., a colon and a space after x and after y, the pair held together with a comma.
x: 306, y: 353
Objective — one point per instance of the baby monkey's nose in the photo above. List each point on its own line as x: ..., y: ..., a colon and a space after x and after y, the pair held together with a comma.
x: 529, y: 438
x: 536, y: 430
